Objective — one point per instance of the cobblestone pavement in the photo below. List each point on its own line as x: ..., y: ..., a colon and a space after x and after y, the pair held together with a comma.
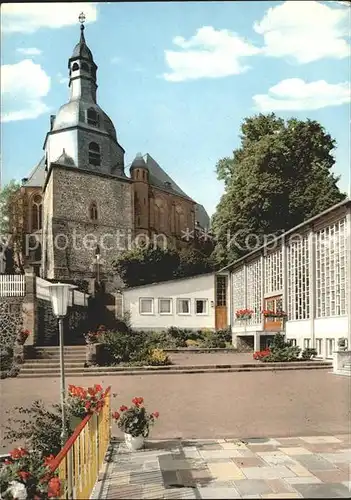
x: 300, y: 467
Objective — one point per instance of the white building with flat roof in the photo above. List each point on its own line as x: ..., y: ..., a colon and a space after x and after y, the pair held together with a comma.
x: 304, y: 273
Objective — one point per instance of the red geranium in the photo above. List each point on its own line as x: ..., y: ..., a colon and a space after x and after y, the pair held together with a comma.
x: 123, y: 408
x: 138, y: 401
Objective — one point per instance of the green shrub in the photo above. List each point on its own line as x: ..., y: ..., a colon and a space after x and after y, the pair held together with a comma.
x: 180, y: 335
x: 192, y: 343
x: 41, y: 430
x: 122, y: 346
x: 308, y: 353
x: 157, y: 357
x: 162, y: 340
x: 225, y: 334
x: 288, y: 353
x: 209, y: 339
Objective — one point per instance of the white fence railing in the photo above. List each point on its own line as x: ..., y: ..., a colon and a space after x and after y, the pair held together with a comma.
x: 12, y: 285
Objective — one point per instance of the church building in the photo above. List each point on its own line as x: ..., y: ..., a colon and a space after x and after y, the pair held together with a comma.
x: 78, y: 204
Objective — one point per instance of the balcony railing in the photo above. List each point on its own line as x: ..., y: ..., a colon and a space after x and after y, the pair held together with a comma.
x: 80, y: 460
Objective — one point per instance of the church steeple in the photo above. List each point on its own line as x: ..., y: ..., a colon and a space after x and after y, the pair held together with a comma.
x: 82, y: 70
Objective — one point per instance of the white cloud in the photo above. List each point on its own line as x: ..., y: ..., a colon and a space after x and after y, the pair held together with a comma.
x: 295, y: 94
x: 23, y: 87
x: 29, y: 17
x: 30, y: 51
x: 305, y: 31
x: 62, y: 79
x: 209, y: 53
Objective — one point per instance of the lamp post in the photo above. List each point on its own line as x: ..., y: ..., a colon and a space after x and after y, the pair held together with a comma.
x: 97, y: 259
x: 59, y: 293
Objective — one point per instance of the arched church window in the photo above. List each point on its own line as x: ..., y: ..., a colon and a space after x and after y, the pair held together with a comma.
x: 137, y: 174
x: 179, y: 220
x: 85, y: 66
x: 92, y: 117
x: 75, y: 66
x: 36, y: 212
x: 94, y: 154
x: 93, y: 211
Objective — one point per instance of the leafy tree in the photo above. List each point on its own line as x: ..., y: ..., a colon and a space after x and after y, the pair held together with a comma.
x: 7, y: 241
x: 278, y: 177
x: 145, y: 264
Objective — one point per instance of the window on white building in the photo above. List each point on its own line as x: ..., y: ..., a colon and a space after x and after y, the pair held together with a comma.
x: 183, y: 306
x: 292, y: 342
x: 330, y: 347
x: 306, y: 343
x: 273, y: 265
x: 298, y: 277
x: 201, y: 306
x: 254, y: 291
x: 165, y: 306
x: 331, y: 265
x: 319, y: 347
x: 146, y: 306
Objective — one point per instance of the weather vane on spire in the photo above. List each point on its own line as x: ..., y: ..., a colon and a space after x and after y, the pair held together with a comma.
x: 81, y: 19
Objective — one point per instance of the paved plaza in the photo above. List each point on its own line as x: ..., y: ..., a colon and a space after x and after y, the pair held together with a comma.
x: 300, y: 467
x: 213, y: 405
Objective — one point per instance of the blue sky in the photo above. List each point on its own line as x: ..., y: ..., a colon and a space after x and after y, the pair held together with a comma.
x: 177, y: 79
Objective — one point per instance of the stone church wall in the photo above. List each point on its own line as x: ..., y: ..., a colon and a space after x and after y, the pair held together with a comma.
x: 11, y: 320
x: 72, y: 253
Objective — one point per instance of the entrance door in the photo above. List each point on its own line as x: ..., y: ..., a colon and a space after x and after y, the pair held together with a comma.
x: 221, y: 319
x: 273, y: 304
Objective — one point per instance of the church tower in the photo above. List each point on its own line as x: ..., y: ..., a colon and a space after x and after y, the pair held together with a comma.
x: 88, y: 199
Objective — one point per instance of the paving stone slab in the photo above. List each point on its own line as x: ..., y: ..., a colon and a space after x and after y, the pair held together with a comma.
x: 223, y: 493
x: 295, y: 450
x: 332, y: 476
x: 225, y: 471
x: 274, y: 472
x: 322, y: 490
x: 321, y: 439
x: 314, y: 462
x: 341, y: 457
x: 252, y: 487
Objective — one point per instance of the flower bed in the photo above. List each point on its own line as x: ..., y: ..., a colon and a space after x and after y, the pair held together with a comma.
x: 141, y: 348
x: 28, y: 475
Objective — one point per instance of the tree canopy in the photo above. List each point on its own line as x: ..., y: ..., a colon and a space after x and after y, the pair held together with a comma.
x: 147, y: 264
x: 6, y: 239
x: 278, y: 177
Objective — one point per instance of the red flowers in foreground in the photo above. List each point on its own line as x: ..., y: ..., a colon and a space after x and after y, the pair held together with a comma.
x: 88, y: 400
x: 261, y: 354
x: 34, y: 473
x: 138, y: 401
x: 18, y: 453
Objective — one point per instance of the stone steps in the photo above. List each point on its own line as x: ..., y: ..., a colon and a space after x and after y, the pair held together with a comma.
x: 173, y: 370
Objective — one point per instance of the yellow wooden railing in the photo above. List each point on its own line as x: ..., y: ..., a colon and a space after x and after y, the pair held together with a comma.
x: 80, y: 460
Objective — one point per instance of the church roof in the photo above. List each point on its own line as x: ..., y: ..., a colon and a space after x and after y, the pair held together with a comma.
x: 81, y: 49
x: 159, y: 178
x: 139, y: 162
x: 73, y: 113
x: 37, y: 176
x: 201, y: 216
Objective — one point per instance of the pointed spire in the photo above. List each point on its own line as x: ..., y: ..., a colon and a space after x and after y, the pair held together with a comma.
x: 81, y: 19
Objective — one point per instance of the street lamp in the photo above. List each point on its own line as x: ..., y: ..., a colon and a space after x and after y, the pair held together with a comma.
x: 97, y: 258
x: 59, y: 293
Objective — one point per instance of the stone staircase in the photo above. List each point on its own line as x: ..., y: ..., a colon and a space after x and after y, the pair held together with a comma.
x: 46, y: 362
